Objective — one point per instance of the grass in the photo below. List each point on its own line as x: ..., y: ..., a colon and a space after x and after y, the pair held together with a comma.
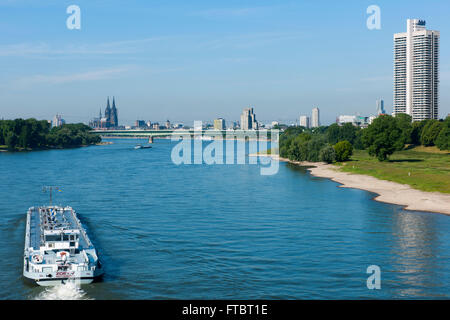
x: 423, y: 168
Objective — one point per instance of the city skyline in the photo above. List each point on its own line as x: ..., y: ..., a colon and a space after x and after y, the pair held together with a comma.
x: 212, y: 63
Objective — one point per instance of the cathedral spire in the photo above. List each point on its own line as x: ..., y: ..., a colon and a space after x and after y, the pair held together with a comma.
x: 114, y: 119
x: 108, y: 114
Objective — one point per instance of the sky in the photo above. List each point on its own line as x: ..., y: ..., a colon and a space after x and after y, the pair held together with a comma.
x: 199, y: 60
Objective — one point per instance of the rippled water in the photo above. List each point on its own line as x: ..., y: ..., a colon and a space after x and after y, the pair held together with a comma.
x: 223, y: 231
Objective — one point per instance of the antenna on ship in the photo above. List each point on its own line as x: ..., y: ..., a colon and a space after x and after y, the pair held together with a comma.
x: 50, y: 189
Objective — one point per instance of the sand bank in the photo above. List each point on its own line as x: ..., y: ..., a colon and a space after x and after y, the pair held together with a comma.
x: 388, y: 191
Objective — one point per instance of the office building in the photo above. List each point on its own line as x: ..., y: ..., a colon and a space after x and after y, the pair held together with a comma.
x: 219, y: 124
x: 58, y: 121
x: 380, y: 107
x: 315, y: 119
x: 416, y: 71
x: 248, y: 120
x: 140, y: 124
x: 304, y: 121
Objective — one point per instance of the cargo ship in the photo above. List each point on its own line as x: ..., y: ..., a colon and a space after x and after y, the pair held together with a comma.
x: 57, y: 248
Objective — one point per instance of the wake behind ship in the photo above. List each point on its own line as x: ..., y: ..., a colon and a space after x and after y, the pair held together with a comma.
x: 57, y: 248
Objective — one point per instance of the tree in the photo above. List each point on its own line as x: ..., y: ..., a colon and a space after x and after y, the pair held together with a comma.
x: 295, y: 147
x: 30, y: 133
x: 404, y: 124
x: 2, y: 137
x: 417, y: 128
x: 443, y: 139
x: 348, y: 132
x: 327, y: 154
x: 381, y: 136
x: 358, y: 144
x: 313, y: 148
x: 333, y: 133
x: 11, y: 140
x: 343, y: 150
x: 293, y: 131
x: 430, y: 132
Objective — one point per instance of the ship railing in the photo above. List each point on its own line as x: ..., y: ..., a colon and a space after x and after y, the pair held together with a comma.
x: 82, y: 231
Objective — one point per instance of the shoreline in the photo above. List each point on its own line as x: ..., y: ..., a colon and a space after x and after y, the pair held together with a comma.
x: 102, y: 143
x: 387, y: 191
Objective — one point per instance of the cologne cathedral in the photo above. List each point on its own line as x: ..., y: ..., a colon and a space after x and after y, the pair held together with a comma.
x: 110, y: 120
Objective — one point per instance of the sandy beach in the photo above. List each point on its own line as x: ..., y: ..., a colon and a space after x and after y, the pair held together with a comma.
x: 388, y: 191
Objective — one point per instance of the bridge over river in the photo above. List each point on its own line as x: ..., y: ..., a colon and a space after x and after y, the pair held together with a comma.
x: 212, y: 134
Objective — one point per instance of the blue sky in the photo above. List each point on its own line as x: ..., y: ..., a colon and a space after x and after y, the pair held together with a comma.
x: 197, y: 60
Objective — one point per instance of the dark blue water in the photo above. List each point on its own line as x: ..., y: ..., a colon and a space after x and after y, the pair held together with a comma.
x: 220, y: 231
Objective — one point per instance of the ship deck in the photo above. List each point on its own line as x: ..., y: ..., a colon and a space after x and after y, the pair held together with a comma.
x: 51, y: 258
x: 54, y: 218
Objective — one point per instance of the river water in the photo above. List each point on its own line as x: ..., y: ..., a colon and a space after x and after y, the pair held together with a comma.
x: 219, y: 231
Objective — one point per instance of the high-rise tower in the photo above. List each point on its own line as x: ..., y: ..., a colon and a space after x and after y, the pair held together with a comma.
x: 380, y: 107
x: 315, y: 119
x: 416, y: 71
x: 248, y: 120
x: 304, y: 121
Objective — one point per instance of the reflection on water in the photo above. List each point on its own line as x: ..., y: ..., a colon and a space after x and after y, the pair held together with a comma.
x: 416, y: 249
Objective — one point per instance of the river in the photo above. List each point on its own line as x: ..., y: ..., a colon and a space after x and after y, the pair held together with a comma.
x: 166, y: 231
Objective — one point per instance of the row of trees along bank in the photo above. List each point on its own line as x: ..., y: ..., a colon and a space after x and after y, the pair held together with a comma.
x: 383, y: 137
x: 29, y: 134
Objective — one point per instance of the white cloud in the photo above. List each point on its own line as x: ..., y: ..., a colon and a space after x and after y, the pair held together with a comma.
x: 43, y: 49
x: 70, y: 77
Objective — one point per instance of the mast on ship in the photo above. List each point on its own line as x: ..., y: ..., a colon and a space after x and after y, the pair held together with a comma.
x: 50, y: 190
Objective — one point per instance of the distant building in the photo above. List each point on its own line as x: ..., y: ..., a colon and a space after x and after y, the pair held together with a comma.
x: 140, y: 124
x: 359, y: 121
x: 58, y: 121
x: 219, y: 124
x: 380, y: 107
x: 248, y: 120
x: 111, y: 118
x: 304, y: 121
x: 109, y: 121
x: 416, y: 71
x: 346, y: 119
x: 315, y: 119
x: 168, y: 125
